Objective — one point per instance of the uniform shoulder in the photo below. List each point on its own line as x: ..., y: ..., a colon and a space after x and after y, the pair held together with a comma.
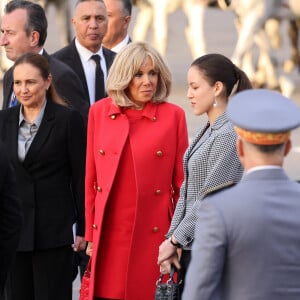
x: 220, y: 188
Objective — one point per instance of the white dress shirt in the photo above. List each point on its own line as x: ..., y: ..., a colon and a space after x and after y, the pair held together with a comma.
x: 89, y: 67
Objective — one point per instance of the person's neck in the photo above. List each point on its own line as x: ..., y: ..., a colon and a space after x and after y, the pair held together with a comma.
x: 214, y: 114
x: 112, y: 44
x: 31, y: 113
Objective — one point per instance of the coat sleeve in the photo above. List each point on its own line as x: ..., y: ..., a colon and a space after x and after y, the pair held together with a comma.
x: 10, y: 216
x: 182, y: 144
x: 77, y: 150
x: 208, y: 255
x: 223, y: 166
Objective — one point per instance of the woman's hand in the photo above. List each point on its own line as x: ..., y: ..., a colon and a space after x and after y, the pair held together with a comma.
x: 79, y: 243
x: 166, y: 252
x: 89, y: 249
x: 165, y: 266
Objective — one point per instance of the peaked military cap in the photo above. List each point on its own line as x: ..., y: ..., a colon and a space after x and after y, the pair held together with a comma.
x: 263, y: 116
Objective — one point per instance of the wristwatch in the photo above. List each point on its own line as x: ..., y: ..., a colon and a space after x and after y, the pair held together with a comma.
x: 177, y: 245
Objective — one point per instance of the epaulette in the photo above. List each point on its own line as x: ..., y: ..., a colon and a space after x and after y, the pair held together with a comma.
x: 218, y: 188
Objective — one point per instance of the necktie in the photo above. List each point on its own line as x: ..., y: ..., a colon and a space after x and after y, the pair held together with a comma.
x: 99, y: 78
x: 14, y: 100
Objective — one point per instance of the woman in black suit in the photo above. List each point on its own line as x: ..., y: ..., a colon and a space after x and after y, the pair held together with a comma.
x: 46, y: 141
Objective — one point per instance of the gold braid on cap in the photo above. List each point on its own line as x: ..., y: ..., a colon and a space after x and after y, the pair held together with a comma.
x: 263, y: 138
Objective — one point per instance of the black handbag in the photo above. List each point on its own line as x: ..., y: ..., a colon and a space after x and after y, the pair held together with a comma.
x: 169, y: 290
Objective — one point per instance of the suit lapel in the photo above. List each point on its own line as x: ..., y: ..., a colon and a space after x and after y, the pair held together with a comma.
x: 109, y: 58
x: 42, y: 134
x: 77, y: 66
x: 12, y: 131
x: 198, y: 140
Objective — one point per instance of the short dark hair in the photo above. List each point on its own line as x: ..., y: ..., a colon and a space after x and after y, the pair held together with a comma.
x: 36, y: 17
x: 80, y: 1
x: 269, y: 149
x: 127, y: 4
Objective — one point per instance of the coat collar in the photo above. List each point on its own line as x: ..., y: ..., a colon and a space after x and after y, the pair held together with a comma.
x: 149, y: 112
x: 266, y: 174
x: 42, y: 134
x: 220, y: 121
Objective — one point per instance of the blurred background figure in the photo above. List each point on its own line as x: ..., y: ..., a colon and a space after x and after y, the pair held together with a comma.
x: 156, y: 13
x: 119, y: 17
x: 136, y: 141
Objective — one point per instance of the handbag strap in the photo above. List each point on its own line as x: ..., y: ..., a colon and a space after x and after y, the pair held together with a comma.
x: 171, y: 275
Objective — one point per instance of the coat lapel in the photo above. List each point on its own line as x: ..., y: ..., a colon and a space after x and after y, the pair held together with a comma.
x: 77, y: 66
x: 42, y: 134
x: 12, y: 131
x: 198, y: 140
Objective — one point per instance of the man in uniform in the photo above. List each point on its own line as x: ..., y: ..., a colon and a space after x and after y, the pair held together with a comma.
x: 247, y: 243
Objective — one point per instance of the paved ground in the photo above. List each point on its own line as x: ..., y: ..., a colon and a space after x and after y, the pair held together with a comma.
x: 221, y: 37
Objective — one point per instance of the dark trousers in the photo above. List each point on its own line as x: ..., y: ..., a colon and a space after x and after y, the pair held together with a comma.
x: 184, y: 262
x: 41, y: 275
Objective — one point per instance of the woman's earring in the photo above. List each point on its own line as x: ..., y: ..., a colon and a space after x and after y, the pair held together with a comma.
x: 215, y: 103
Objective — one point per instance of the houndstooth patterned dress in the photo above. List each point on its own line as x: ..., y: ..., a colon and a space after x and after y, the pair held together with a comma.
x: 210, y: 162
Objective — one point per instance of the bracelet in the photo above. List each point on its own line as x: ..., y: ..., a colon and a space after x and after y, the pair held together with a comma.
x: 177, y: 245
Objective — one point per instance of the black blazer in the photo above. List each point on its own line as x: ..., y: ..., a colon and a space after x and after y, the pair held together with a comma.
x: 65, y: 81
x: 10, y: 216
x: 70, y: 56
x: 50, y: 181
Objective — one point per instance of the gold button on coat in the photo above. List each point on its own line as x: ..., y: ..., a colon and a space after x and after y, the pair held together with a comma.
x: 113, y: 117
x: 94, y: 226
x: 159, y: 153
x: 155, y: 229
x: 158, y: 192
x: 101, y: 151
x: 99, y: 189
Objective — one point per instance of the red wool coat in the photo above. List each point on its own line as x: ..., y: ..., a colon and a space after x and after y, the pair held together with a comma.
x: 157, y: 149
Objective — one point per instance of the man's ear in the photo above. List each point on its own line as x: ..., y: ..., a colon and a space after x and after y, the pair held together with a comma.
x: 240, y: 150
x: 35, y: 37
x: 240, y: 147
x: 288, y: 147
x: 127, y: 20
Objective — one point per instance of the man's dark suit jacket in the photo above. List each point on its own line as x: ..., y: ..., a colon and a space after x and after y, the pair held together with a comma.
x: 70, y: 56
x: 10, y: 216
x: 50, y: 181
x: 65, y: 81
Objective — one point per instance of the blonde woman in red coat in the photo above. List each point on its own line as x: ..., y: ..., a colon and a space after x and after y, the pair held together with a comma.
x: 136, y: 142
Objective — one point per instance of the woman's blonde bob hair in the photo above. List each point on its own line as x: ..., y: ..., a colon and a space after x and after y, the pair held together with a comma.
x: 127, y: 64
